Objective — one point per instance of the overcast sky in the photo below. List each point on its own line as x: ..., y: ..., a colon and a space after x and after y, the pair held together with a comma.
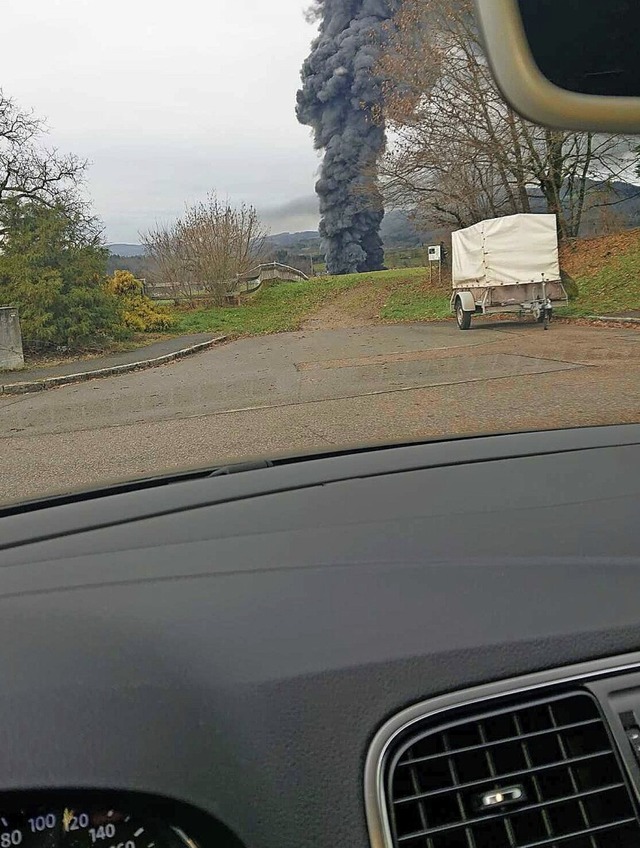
x: 169, y: 99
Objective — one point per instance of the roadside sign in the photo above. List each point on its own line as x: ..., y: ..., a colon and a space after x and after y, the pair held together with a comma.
x: 435, y: 253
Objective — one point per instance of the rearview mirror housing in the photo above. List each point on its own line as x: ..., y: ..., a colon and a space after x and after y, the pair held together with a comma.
x: 569, y: 64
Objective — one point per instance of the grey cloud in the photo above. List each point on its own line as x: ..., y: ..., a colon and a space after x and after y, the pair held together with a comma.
x: 296, y: 215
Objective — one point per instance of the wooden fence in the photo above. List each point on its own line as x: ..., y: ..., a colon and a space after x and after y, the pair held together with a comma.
x: 243, y: 284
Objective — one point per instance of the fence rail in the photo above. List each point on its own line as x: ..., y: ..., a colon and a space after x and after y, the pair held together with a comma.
x: 246, y: 283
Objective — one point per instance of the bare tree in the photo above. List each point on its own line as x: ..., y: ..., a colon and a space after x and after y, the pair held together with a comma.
x: 458, y: 152
x: 28, y: 170
x: 208, y: 248
x: 602, y: 216
x: 167, y: 263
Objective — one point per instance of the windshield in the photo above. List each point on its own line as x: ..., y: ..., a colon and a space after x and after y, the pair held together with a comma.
x: 232, y: 231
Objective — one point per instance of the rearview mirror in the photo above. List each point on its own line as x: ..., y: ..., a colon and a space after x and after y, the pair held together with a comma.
x: 571, y: 64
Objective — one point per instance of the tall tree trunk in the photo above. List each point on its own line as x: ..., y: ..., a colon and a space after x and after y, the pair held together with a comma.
x: 551, y: 182
x: 582, y: 191
x: 521, y: 171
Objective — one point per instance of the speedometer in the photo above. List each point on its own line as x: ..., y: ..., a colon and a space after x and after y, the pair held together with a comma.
x: 110, y: 829
x: 82, y: 825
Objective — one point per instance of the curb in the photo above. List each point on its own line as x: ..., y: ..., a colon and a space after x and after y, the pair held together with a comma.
x: 595, y: 320
x: 53, y: 382
x: 618, y: 320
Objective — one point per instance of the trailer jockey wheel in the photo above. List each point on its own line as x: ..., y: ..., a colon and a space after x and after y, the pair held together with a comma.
x: 545, y: 317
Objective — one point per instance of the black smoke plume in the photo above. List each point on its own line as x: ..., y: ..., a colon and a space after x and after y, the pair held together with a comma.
x: 340, y: 90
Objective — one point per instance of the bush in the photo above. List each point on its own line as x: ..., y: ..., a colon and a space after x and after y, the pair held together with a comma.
x: 52, y: 314
x: 52, y: 269
x: 139, y: 313
x: 124, y: 284
x: 55, y: 314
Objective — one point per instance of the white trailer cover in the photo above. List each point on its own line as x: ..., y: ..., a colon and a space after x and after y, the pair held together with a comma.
x: 506, y: 251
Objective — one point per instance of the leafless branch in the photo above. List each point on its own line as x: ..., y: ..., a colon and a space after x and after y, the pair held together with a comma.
x: 457, y: 151
x: 207, y: 248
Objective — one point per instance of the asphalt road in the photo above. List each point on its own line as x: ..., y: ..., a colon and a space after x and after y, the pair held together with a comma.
x: 315, y: 389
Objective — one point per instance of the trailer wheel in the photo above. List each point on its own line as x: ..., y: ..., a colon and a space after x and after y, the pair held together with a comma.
x: 463, y: 318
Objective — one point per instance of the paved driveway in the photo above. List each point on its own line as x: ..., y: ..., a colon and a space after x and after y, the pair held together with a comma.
x: 315, y: 389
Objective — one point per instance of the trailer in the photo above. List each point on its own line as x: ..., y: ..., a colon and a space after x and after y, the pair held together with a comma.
x: 507, y: 265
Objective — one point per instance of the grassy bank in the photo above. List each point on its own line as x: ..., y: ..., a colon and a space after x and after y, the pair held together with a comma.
x: 392, y: 295
x: 278, y: 307
x: 417, y: 298
x: 607, y: 271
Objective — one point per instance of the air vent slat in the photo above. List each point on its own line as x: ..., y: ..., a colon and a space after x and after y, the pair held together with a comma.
x: 448, y: 828
x: 508, y: 776
x: 533, y: 775
x: 592, y: 831
x: 517, y: 738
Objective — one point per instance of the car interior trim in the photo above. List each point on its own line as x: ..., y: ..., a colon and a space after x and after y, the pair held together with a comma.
x: 531, y: 93
x: 374, y: 773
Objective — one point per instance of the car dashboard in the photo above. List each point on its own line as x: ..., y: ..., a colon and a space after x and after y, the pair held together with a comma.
x: 425, y: 646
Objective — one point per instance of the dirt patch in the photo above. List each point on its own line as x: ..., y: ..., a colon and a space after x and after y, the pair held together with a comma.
x: 358, y: 307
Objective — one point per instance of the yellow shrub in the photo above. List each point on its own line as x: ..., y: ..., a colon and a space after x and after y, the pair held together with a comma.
x: 124, y: 284
x: 139, y: 313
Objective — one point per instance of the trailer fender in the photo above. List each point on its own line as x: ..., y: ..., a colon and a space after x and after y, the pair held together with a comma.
x: 466, y: 298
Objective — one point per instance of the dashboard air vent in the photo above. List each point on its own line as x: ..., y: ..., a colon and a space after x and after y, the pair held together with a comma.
x: 533, y: 775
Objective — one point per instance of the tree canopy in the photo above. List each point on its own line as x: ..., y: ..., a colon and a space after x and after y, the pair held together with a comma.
x: 207, y: 247
x: 459, y: 153
x: 52, y: 267
x: 30, y: 171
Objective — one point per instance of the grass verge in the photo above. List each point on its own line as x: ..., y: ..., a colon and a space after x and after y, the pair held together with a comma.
x: 281, y: 307
x: 417, y: 300
x: 607, y: 271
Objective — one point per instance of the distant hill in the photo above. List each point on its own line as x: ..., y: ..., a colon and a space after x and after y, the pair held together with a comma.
x: 126, y: 250
x: 294, y: 240
x: 138, y: 265
x: 397, y: 231
x: 400, y: 232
